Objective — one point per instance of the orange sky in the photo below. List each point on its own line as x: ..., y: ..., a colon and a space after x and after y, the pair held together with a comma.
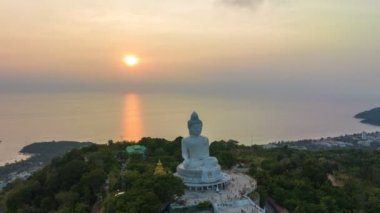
x: 178, y: 41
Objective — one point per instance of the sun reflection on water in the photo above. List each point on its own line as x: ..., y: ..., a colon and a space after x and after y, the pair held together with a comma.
x: 132, y: 121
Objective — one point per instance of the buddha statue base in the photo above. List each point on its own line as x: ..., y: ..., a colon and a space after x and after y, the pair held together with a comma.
x: 203, y: 179
x: 200, y: 175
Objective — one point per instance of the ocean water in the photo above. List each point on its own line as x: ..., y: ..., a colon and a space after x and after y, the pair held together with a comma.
x: 28, y: 118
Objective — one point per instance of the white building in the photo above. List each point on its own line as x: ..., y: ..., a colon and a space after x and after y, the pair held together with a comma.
x: 332, y: 143
x: 365, y: 143
x: 2, y: 185
x: 269, y: 146
x: 364, y: 136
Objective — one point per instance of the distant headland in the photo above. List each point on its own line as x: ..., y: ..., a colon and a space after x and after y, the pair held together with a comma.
x: 41, y: 153
x: 370, y: 117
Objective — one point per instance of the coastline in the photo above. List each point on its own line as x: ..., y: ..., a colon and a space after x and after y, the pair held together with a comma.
x: 34, y: 156
x: 19, y: 157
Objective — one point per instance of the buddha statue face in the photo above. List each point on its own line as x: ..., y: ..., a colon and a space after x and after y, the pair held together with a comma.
x: 194, y: 125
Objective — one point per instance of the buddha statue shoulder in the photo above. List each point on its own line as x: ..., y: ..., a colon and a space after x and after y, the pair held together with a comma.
x: 195, y: 148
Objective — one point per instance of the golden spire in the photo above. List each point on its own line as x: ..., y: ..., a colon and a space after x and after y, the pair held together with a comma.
x: 159, y: 170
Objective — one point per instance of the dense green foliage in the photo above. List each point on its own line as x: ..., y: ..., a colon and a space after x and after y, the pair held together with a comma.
x: 93, y: 177
x: 225, y: 152
x: 298, y: 180
x: 104, y: 177
x: 370, y: 117
x: 69, y: 184
x: 204, y: 205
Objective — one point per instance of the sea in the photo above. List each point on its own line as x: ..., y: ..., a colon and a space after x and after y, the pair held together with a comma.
x: 99, y: 117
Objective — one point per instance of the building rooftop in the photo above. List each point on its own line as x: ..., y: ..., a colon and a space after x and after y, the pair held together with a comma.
x: 136, y: 149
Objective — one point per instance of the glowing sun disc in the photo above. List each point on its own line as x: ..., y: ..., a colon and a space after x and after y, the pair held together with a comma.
x: 131, y: 60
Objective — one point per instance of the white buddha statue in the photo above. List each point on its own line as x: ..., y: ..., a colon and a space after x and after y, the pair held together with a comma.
x: 195, y: 148
x: 198, y: 166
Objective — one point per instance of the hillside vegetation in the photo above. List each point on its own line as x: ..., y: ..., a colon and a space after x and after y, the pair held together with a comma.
x: 104, y: 178
x: 93, y: 177
x: 321, y: 181
x: 40, y: 154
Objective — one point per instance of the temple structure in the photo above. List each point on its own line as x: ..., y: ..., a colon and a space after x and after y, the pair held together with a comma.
x: 159, y: 170
x: 199, y: 171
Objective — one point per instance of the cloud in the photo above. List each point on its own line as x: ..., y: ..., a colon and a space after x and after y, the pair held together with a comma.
x: 242, y: 3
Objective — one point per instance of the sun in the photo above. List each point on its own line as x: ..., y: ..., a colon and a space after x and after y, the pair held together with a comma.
x: 131, y: 60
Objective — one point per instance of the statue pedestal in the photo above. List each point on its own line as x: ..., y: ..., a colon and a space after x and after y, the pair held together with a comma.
x: 201, y: 175
x: 203, y: 179
x: 194, y: 181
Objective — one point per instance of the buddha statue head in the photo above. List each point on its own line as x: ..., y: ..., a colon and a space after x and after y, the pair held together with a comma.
x: 194, y: 125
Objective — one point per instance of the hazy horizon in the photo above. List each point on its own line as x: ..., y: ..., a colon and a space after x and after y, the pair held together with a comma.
x: 99, y: 117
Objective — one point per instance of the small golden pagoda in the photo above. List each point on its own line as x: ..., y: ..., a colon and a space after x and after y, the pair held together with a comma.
x: 159, y: 170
